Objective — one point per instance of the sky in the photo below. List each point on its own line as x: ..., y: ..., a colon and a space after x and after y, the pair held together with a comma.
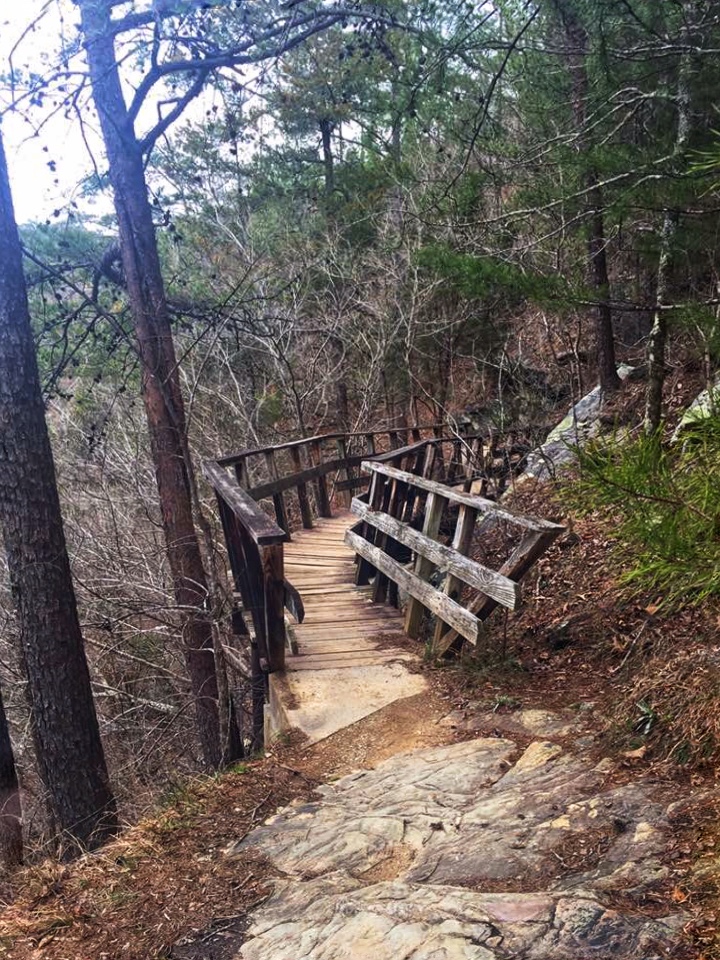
x: 48, y: 158
x: 45, y: 162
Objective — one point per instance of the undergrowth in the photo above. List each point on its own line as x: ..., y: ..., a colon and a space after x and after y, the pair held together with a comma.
x: 666, y: 498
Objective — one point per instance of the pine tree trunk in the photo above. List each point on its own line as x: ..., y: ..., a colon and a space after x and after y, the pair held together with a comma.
x: 577, y: 41
x: 160, y: 382
x: 64, y: 725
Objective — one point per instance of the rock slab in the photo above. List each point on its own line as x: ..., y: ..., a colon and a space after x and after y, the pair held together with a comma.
x: 467, y: 852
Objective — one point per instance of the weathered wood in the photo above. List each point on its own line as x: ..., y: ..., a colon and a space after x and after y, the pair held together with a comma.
x: 365, y: 571
x: 260, y: 527
x: 424, y: 565
x: 455, y: 461
x: 429, y: 461
x: 438, y: 603
x: 278, y: 499
x: 352, y: 483
x: 462, y: 541
x: 343, y: 457
x: 274, y: 584
x: 529, y: 550
x: 447, y: 559
x: 302, y: 494
x: 241, y: 474
x: 293, y: 602
x: 392, y: 498
x: 232, y: 458
x: 323, y: 500
x: 459, y: 496
x: 370, y: 443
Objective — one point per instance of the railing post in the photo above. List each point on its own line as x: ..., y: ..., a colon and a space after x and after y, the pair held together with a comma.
x: 393, y: 503
x: 370, y: 443
x: 423, y: 567
x: 278, y: 498
x: 303, y: 499
x: 343, y: 455
x: 437, y: 431
x: 322, y: 491
x: 474, y: 456
x: 241, y: 473
x: 461, y: 542
x: 274, y: 596
x: 455, y: 461
x: 365, y: 570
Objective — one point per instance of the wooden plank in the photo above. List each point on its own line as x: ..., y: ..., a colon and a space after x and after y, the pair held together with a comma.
x: 447, y: 559
x: 323, y: 500
x: 274, y: 583
x: 241, y: 474
x: 462, y: 540
x: 261, y: 528
x: 531, y: 548
x: 293, y: 602
x: 278, y: 499
x: 393, y: 501
x: 302, y: 494
x: 459, y: 496
x: 424, y: 565
x: 317, y: 472
x: 352, y: 483
x: 458, y: 617
x: 364, y: 571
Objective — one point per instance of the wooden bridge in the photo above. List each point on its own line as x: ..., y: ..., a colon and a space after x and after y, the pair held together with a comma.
x: 330, y: 589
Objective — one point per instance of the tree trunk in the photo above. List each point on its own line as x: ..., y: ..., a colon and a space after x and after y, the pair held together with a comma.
x: 671, y: 219
x: 160, y: 383
x: 328, y: 159
x: 577, y: 39
x: 64, y: 725
x: 11, y: 843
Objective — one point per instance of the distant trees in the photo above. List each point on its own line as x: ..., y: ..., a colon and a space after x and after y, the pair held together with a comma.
x: 63, y: 720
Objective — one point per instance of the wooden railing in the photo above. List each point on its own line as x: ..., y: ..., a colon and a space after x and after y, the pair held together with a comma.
x: 409, y: 470
x: 386, y: 539
x: 304, y: 477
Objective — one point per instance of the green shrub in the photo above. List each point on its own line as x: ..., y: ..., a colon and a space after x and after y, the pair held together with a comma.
x: 667, y: 502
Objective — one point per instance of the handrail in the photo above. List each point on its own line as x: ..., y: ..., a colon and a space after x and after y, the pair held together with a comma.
x: 295, y: 474
x: 458, y: 496
x: 258, y: 524
x: 231, y: 459
x: 386, y: 530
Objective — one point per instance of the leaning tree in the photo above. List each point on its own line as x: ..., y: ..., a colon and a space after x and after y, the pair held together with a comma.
x: 62, y: 712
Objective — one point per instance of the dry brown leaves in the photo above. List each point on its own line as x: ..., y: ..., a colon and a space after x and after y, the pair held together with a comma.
x: 162, y: 880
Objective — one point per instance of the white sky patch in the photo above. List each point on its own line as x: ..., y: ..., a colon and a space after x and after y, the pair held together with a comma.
x: 47, y: 156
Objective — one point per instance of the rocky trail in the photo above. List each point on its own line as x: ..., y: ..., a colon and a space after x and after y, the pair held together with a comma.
x: 511, y: 810
x: 470, y: 851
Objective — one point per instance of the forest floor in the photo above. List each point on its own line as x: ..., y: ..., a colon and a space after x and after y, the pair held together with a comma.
x: 167, y: 889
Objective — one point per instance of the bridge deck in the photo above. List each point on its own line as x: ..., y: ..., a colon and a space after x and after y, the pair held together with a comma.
x: 347, y: 665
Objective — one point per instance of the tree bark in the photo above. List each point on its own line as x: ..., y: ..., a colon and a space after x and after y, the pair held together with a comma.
x: 160, y: 382
x: 577, y: 39
x: 328, y: 159
x: 64, y: 724
x: 671, y: 218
